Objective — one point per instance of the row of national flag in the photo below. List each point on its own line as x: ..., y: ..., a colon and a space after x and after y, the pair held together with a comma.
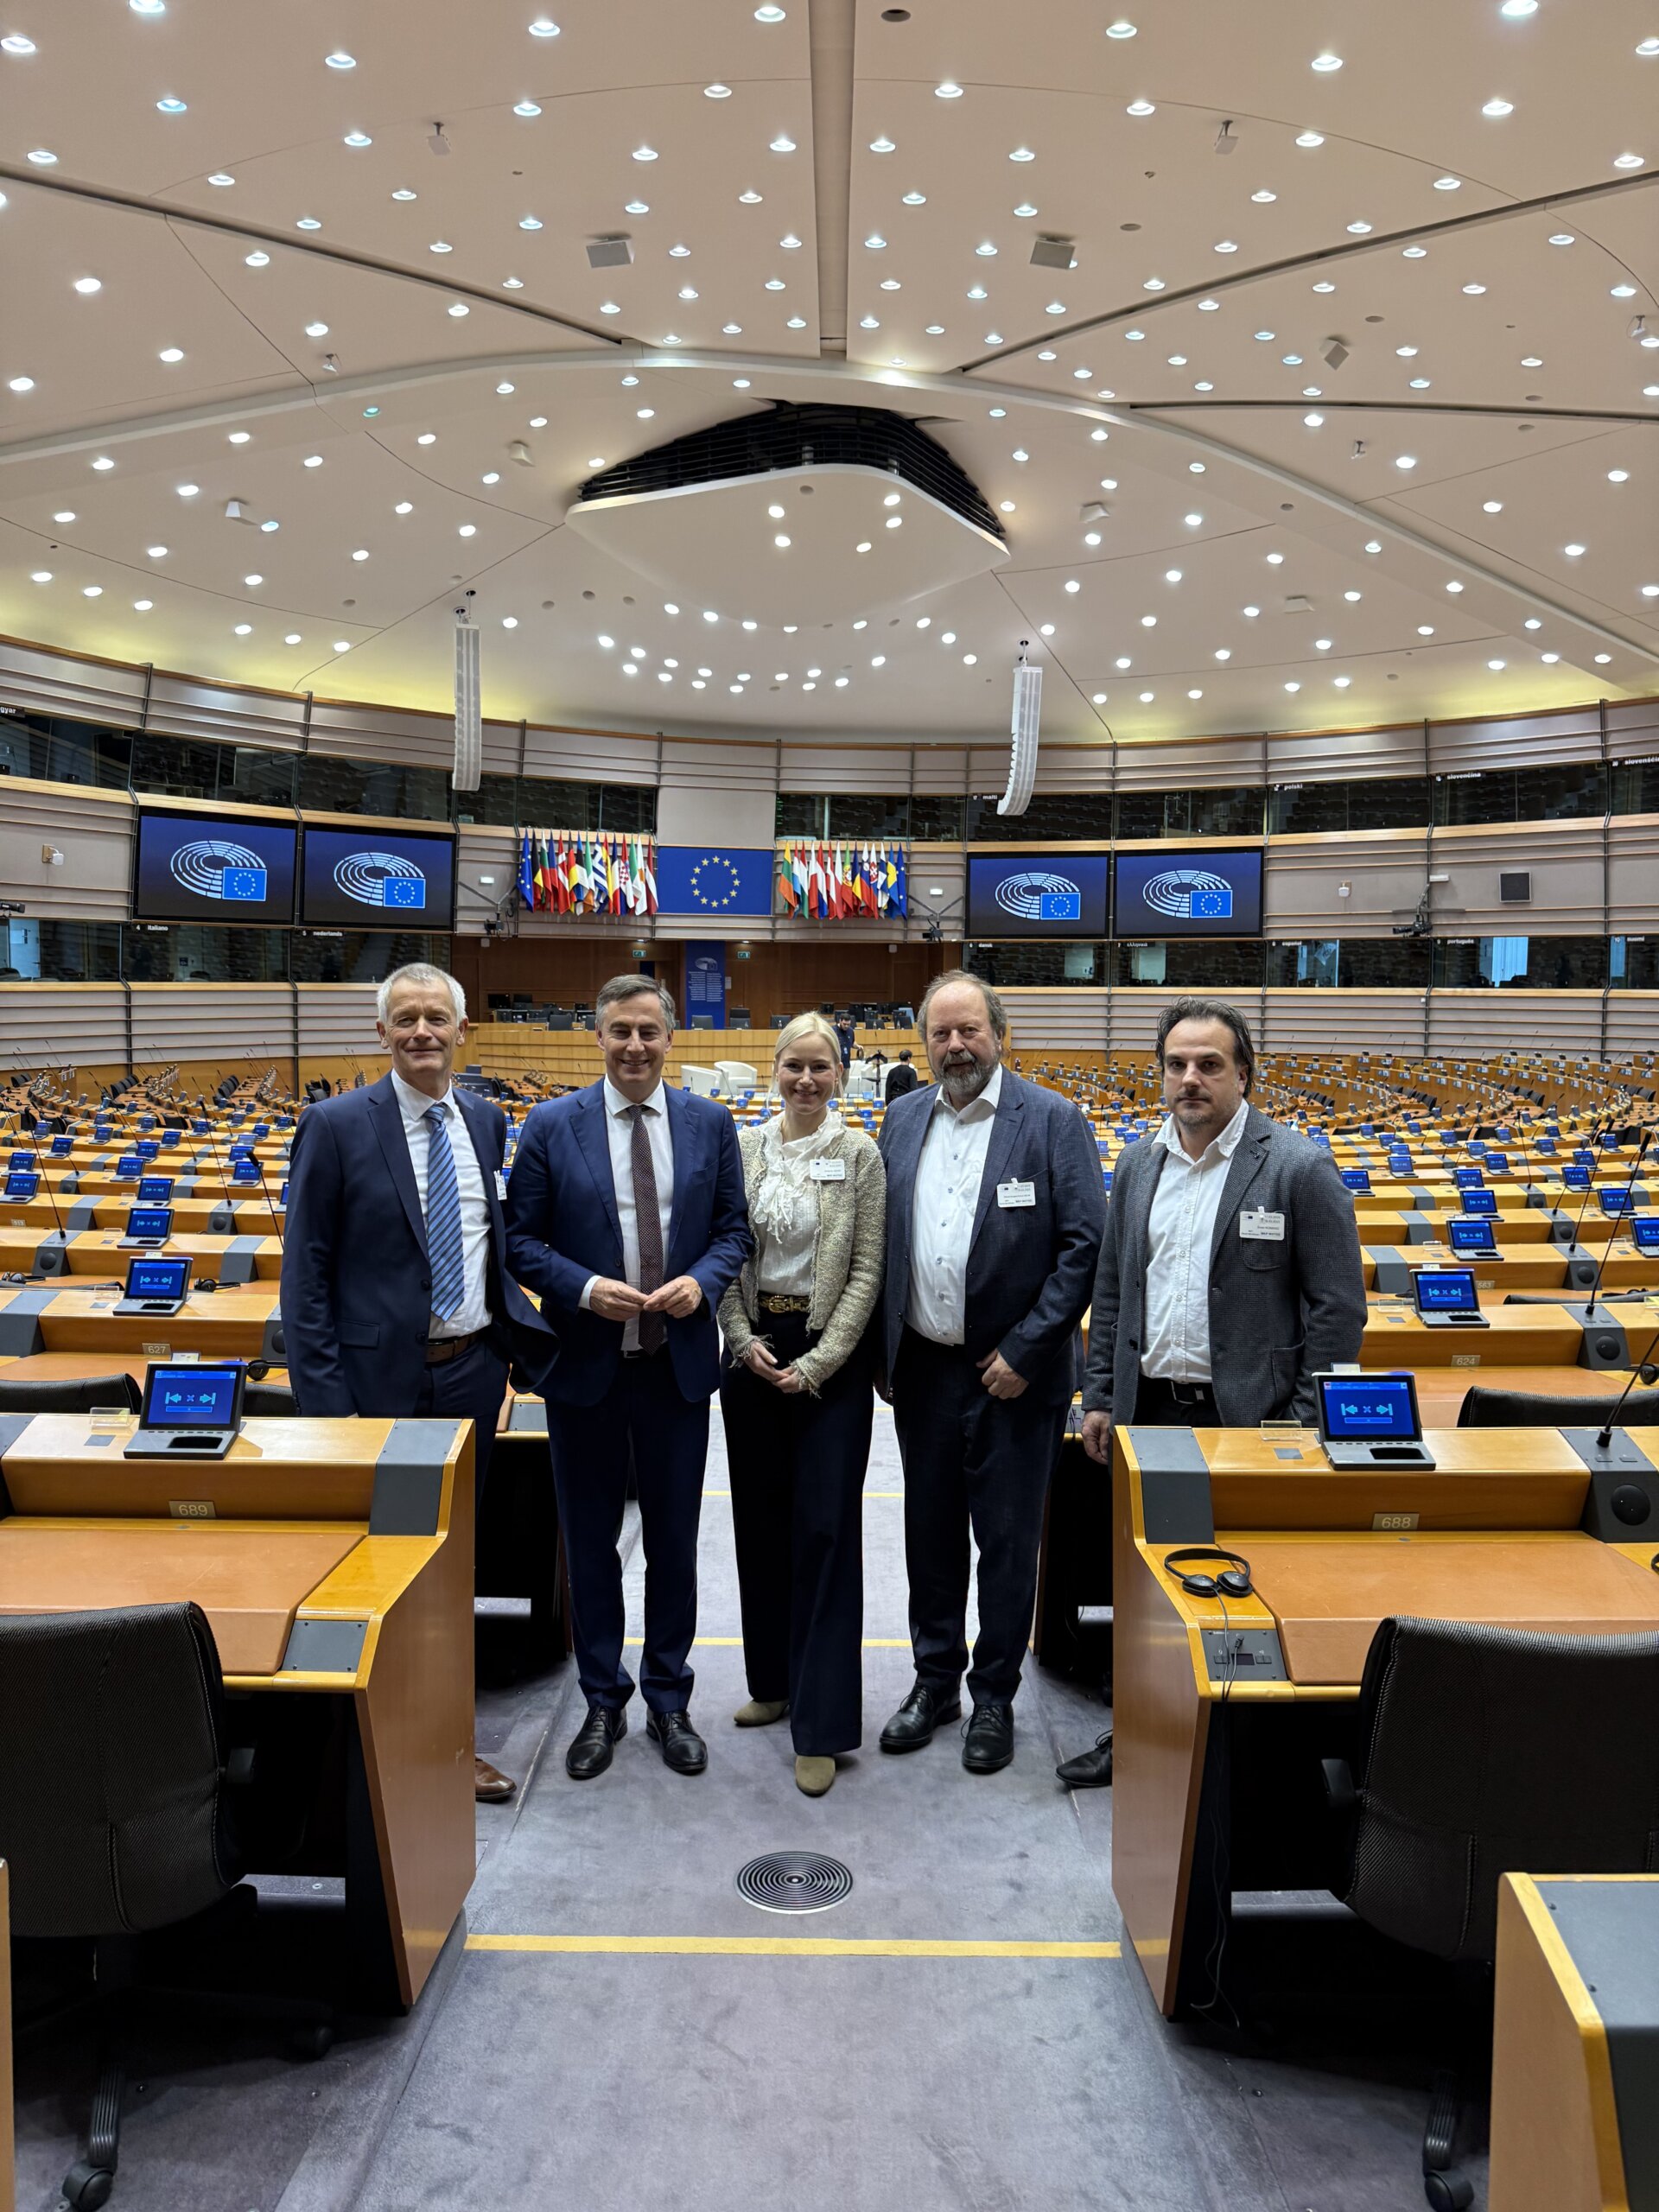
x: 842, y: 882
x: 581, y: 871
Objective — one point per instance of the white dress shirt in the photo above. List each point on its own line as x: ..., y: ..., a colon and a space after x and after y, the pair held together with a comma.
x: 474, y: 1310
x: 1175, y: 1341
x: 619, y: 1130
x: 946, y: 1199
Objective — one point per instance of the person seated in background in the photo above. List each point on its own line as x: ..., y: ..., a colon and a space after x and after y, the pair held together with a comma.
x: 902, y: 1076
x: 797, y: 1402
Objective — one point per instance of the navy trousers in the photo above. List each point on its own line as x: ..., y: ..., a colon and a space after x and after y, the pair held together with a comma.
x: 797, y: 1467
x: 470, y: 1387
x: 590, y: 1445
x: 973, y: 1461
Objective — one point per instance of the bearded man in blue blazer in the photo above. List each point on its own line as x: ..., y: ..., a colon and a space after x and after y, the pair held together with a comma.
x: 395, y: 1297
x: 995, y: 1211
x: 627, y: 1216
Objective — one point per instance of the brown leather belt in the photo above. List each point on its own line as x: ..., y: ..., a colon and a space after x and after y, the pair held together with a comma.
x: 440, y: 1350
x: 771, y: 1303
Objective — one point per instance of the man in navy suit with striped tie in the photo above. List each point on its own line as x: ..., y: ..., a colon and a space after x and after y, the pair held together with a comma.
x: 395, y: 1297
x: 626, y: 1217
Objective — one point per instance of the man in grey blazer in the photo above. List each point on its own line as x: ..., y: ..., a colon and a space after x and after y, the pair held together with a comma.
x: 995, y: 1216
x: 1231, y: 1270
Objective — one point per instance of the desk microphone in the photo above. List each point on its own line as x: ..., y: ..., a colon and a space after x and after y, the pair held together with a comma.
x: 1644, y: 1372
x: 1612, y: 1235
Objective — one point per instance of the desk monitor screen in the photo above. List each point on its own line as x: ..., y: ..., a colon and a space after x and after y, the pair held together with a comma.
x: 1615, y: 1198
x: 20, y: 1183
x: 155, y: 1190
x: 1484, y: 1202
x: 1467, y: 1179
x: 129, y: 1167
x: 1576, y: 1176
x: 193, y: 1397
x: 1445, y: 1290
x: 1363, y: 1409
x: 61, y: 1145
x: 154, y: 1222
x: 1356, y: 1178
x: 158, y: 1278
x: 1644, y: 1227
x: 1468, y: 1233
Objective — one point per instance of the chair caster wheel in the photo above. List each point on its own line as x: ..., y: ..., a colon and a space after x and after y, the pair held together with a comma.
x: 312, y: 2042
x: 86, y: 2186
x: 1449, y: 2192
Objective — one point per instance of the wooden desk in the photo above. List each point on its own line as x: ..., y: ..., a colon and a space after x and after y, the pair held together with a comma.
x: 333, y: 1560
x: 231, y: 1323
x: 1576, y: 2046
x: 1517, y: 1336
x: 97, y: 1252
x: 1224, y: 1710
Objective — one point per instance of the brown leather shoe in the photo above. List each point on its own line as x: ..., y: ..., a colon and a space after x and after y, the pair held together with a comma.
x: 491, y: 1786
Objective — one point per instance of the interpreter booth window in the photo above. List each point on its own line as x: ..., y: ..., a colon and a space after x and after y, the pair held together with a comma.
x: 1569, y: 792
x: 1634, y: 963
x: 1309, y: 963
x: 330, y: 787
x: 937, y: 819
x: 1531, y: 964
x: 191, y: 952
x: 1190, y: 964
x: 860, y: 814
x: 361, y: 955
x: 801, y: 814
x: 182, y: 769
x: 60, y: 952
x: 1044, y: 963
x: 1636, y: 787
x: 1053, y: 817
x: 1357, y: 802
x: 54, y: 750
x: 1229, y: 811
x: 494, y: 805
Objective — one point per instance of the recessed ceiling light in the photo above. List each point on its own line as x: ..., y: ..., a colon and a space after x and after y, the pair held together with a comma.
x: 103, y: 461
x: 519, y: 107
x: 310, y: 223
x: 40, y: 575
x: 749, y: 199
x: 1134, y: 337
x: 948, y: 91
x: 1325, y: 62
x: 404, y: 193
x: 525, y: 223
x: 15, y: 42
x: 1532, y: 361
x: 188, y: 491
x: 1627, y: 160
x: 268, y: 524
x: 1572, y: 552
x: 1309, y: 138
x: 1498, y: 107
x: 1649, y: 46
x: 1315, y: 422
x: 1022, y: 154
x: 1413, y: 253
x: 316, y: 330
x: 1226, y: 245
x: 716, y: 92
x: 977, y: 292
x: 1624, y: 291
x: 882, y: 146
x: 1420, y: 383
x: 426, y: 438
x: 1454, y: 588
x: 769, y: 15
x: 1474, y: 291
x: 362, y: 138
x: 1141, y: 107
x: 458, y: 307
x: 504, y: 389
x: 919, y: 199
x: 65, y: 514
x: 936, y: 330
x: 985, y: 250
x: 43, y: 158
x: 645, y: 153
x: 342, y: 646
x: 609, y: 307
x: 1264, y: 198
x: 171, y: 106
x: 1618, y: 476
x: 468, y: 530
x: 1373, y: 546
x: 688, y: 292
x: 783, y: 143
x: 92, y: 591
x: 341, y: 61
x: 1252, y: 612
x: 1359, y: 230
x: 170, y: 354
x: 1120, y: 29
x: 20, y: 383
x: 1532, y: 623
x: 636, y: 207
x: 1602, y: 659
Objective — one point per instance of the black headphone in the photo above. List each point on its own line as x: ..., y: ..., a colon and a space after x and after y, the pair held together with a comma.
x: 1234, y: 1583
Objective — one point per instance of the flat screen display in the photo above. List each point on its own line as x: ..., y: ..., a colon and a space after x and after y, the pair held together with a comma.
x: 1467, y: 1179
x: 1615, y: 1198
x: 377, y: 880
x: 1026, y: 895
x: 158, y: 1278
x: 61, y: 1145
x: 1361, y: 1408
x: 192, y: 1397
x: 205, y: 868
x: 155, y: 1190
x: 1644, y: 1227
x: 150, y: 1222
x: 20, y: 1183
x: 1187, y: 895
x: 1576, y: 1176
x: 1468, y: 1235
x: 1356, y: 1178
x: 1445, y: 1290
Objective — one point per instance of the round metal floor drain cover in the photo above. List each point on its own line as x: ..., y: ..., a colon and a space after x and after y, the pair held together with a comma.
x: 794, y: 1881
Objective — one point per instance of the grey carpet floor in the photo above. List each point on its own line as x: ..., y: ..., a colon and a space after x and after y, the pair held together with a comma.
x: 620, y: 2080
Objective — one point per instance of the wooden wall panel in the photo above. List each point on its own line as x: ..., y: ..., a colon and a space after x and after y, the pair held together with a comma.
x: 52, y: 1025
x: 92, y: 829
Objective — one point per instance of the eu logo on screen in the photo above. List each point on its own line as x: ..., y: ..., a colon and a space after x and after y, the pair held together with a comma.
x: 247, y: 883
x: 1190, y: 894
x: 1038, y: 897
x: 374, y: 879
x: 404, y: 891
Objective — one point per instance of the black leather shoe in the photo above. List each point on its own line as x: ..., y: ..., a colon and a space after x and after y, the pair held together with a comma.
x: 989, y: 1742
x: 1089, y: 1769
x: 593, y: 1742
x: 683, y: 1748
x: 922, y: 1712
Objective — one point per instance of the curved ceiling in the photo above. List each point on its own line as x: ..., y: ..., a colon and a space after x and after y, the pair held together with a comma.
x: 1343, y: 414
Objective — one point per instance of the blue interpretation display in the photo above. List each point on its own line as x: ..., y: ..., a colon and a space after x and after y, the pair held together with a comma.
x: 1468, y: 1235
x: 1361, y: 1407
x: 1445, y: 1290
x: 1480, y: 1202
x: 1198, y: 894
x: 191, y: 1397
x: 1356, y: 1178
x: 155, y: 1190
x: 1615, y: 1199
x: 19, y: 1184
x: 1027, y: 894
x: 1645, y: 1228
x: 1467, y: 1179
x: 202, y: 867
x: 1576, y: 1178
x: 158, y: 1278
x: 150, y: 1221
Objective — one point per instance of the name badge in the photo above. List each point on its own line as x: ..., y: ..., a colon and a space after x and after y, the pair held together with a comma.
x: 828, y: 1171
x: 1269, y: 1227
x: 500, y: 1184
x: 1016, y: 1194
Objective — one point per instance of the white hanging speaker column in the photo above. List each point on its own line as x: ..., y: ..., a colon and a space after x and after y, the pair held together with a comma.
x: 469, y: 722
x: 1027, y: 712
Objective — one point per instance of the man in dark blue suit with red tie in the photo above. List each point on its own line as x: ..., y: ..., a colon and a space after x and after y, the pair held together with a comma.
x: 396, y: 1298
x: 626, y: 1216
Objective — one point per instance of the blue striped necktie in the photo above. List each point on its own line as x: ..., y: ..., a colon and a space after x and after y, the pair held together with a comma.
x: 443, y: 1219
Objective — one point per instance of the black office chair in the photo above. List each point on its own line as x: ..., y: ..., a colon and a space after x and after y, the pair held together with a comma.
x: 560, y: 1017
x: 1529, y: 1409
x: 269, y: 1398
x: 1486, y: 1752
x: 127, y: 1706
x: 737, y: 1017
x: 74, y: 1395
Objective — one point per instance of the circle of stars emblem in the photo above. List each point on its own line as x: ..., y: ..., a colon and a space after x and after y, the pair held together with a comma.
x: 723, y: 881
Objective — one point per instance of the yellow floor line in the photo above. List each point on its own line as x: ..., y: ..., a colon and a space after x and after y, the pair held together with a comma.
x: 785, y: 1947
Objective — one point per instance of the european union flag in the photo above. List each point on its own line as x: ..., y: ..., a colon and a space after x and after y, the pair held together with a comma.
x: 242, y: 883
x: 1211, y: 905
x: 714, y: 879
x: 404, y: 891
